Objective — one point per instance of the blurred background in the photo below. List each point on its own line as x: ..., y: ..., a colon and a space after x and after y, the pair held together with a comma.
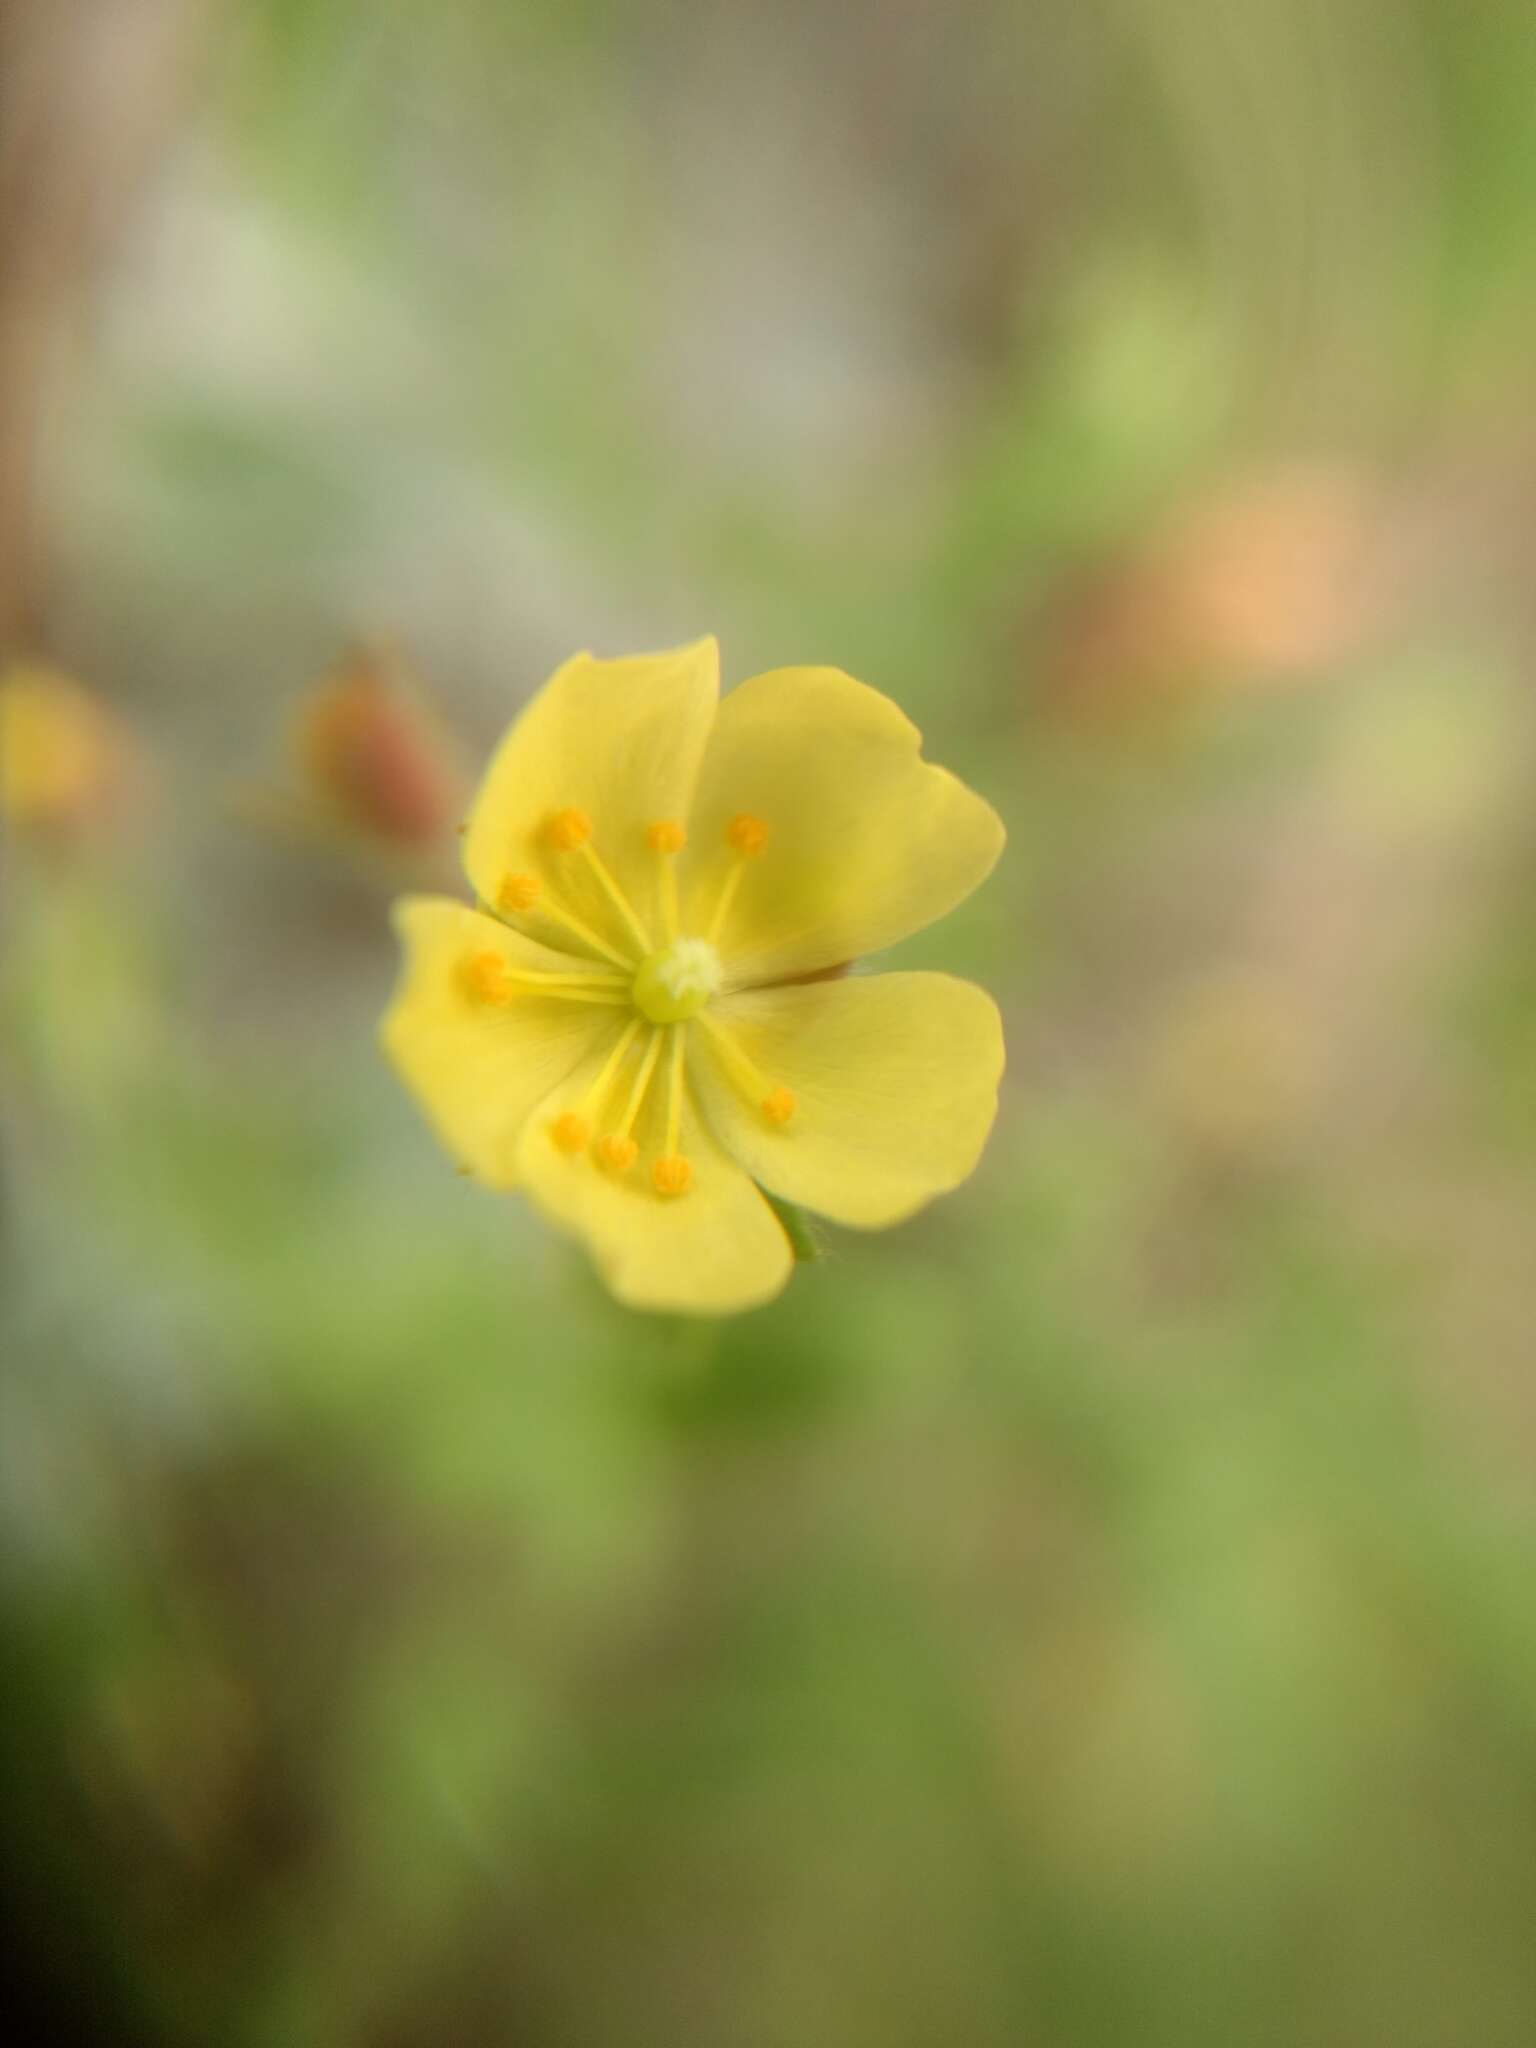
x: 1099, y: 1612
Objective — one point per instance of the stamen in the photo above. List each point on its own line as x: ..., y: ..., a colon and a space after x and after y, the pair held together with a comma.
x: 666, y: 838
x: 610, y: 1066
x: 568, y: 829
x: 577, y: 990
x: 778, y: 1104
x: 519, y: 895
x: 637, y: 1093
x: 572, y: 1131
x: 615, y: 1152
x: 486, y: 978
x: 615, y: 894
x: 727, y: 898
x: 747, y: 836
x: 675, y: 1088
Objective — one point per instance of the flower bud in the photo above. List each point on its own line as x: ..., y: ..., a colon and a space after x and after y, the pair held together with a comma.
x: 373, y: 759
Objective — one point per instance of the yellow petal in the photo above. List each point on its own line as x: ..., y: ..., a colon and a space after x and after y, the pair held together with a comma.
x: 614, y: 743
x: 478, y: 1068
x: 865, y: 841
x: 714, y: 1250
x: 894, y: 1085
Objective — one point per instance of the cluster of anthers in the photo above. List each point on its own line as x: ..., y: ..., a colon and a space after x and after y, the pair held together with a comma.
x: 666, y: 990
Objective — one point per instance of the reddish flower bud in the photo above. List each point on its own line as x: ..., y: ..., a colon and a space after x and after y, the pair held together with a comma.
x: 373, y: 757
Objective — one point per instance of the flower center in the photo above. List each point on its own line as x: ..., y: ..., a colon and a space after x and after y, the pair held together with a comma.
x: 676, y: 983
x: 670, y: 987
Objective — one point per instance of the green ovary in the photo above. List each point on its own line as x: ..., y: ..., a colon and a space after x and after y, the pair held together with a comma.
x: 676, y: 983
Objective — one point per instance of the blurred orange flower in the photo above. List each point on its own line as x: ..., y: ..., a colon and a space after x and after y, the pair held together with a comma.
x: 1264, y: 580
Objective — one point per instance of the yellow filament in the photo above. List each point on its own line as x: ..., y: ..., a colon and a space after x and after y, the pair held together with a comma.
x: 746, y: 836
x: 615, y: 895
x: 519, y: 895
x: 637, y: 1094
x: 549, y: 914
x: 486, y: 978
x: 727, y: 897
x: 556, y: 987
x: 613, y: 1152
x: 675, y: 1088
x: 666, y: 838
x: 611, y: 1065
x: 536, y: 978
x: 778, y: 1104
x: 669, y: 897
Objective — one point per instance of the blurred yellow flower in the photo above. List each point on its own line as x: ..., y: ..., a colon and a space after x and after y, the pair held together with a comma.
x: 642, y: 1023
x: 63, y: 758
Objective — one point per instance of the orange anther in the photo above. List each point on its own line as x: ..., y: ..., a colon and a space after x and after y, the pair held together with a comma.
x: 487, y: 979
x: 518, y: 892
x: 747, y: 834
x: 617, y: 1152
x: 570, y: 1131
x: 780, y: 1106
x: 667, y: 835
x: 569, y: 829
x: 672, y: 1175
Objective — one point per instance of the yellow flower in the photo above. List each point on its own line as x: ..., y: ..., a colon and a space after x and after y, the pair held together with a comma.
x: 641, y: 1023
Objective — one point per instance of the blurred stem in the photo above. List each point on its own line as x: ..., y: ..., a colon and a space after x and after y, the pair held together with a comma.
x: 803, y: 1237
